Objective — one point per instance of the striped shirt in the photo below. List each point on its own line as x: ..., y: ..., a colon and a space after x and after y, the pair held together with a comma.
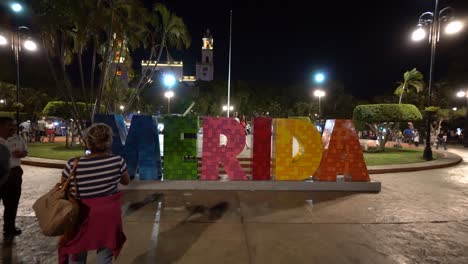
x: 96, y: 177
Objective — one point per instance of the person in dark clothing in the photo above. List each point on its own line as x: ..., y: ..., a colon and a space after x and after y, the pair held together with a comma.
x: 441, y: 141
x: 5, y: 133
x: 10, y: 192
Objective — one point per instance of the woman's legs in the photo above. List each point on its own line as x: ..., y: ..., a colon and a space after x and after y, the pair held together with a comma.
x: 78, y: 258
x: 104, y: 256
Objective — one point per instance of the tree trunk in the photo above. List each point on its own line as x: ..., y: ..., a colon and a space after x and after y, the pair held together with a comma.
x: 67, y: 138
x: 402, y: 92
x: 93, y: 68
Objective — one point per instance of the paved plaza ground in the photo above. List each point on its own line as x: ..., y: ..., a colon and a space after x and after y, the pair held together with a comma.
x: 418, y: 217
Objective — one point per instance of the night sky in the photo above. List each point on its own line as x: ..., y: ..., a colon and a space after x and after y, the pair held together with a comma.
x: 363, y: 44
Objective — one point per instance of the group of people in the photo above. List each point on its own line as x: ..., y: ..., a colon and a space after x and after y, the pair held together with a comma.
x: 97, y: 175
x: 38, y: 131
x: 410, y: 135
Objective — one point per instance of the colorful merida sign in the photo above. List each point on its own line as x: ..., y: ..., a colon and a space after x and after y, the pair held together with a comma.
x: 337, y: 152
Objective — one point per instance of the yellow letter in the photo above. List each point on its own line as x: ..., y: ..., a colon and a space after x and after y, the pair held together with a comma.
x: 304, y: 163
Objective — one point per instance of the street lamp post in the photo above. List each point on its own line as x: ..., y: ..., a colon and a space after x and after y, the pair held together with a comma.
x: 169, y: 80
x: 464, y: 93
x: 319, y: 93
x: 169, y: 95
x: 433, y: 21
x: 28, y: 45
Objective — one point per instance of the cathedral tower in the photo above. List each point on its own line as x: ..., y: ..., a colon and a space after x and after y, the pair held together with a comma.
x: 205, y: 67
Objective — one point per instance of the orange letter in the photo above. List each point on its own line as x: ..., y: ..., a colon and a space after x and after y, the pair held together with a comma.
x: 342, y: 154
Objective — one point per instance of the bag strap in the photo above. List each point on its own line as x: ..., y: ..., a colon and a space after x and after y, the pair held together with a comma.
x: 72, y: 175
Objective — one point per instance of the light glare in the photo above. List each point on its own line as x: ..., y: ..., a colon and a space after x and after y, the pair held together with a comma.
x: 461, y: 94
x: 16, y: 7
x: 169, y: 94
x: 230, y: 108
x: 319, y: 93
x: 419, y: 34
x: 3, y: 40
x: 30, y: 45
x: 319, y: 77
x: 169, y: 80
x: 453, y: 27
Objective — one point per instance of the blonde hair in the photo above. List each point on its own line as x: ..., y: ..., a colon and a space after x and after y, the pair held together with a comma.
x: 98, y: 138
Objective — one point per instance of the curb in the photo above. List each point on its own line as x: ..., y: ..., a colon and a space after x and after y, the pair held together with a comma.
x: 446, y: 159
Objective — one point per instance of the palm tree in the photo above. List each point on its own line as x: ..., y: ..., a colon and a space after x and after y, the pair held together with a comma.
x: 411, y: 79
x: 172, y: 33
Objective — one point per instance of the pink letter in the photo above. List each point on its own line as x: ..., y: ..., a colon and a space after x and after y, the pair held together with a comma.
x: 214, y: 153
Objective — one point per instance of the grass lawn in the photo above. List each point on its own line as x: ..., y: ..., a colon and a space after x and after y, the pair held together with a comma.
x: 395, y: 156
x: 54, y: 151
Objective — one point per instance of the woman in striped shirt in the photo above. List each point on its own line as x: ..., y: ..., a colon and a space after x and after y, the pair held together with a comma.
x: 97, y: 175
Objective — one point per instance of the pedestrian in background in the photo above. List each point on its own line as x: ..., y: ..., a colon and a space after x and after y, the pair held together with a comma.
x: 41, y: 127
x: 5, y: 133
x: 416, y: 137
x: 50, y: 130
x: 10, y: 192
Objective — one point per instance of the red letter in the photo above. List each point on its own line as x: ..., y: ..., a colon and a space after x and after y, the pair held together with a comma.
x: 261, y: 149
x: 213, y: 153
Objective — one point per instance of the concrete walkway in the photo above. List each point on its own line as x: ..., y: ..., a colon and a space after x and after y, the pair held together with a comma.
x: 418, y: 217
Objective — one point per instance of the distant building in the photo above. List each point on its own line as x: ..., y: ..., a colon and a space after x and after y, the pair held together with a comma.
x: 204, y: 70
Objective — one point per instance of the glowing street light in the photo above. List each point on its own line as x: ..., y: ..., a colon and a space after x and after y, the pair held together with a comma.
x: 169, y: 95
x: 419, y: 34
x: 30, y: 45
x: 454, y: 27
x: 454, y: 109
x: 2, y: 101
x: 3, y: 40
x: 319, y: 93
x: 16, y: 7
x: 122, y: 107
x: 319, y: 77
x: 169, y: 80
x: 461, y: 94
x: 225, y: 108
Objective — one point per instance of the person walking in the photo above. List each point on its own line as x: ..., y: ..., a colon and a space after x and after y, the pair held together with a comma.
x: 441, y: 141
x: 10, y: 193
x: 25, y: 130
x: 50, y: 131
x: 416, y: 137
x: 41, y: 127
x: 97, y: 177
x: 5, y: 133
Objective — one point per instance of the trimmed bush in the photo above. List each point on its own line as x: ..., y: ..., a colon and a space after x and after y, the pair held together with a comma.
x: 377, y: 113
x: 382, y: 118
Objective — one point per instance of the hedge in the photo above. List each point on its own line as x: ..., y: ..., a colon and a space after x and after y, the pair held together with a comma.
x: 377, y: 113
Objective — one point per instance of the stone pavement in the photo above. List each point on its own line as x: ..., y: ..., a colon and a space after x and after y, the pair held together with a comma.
x: 418, y: 217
